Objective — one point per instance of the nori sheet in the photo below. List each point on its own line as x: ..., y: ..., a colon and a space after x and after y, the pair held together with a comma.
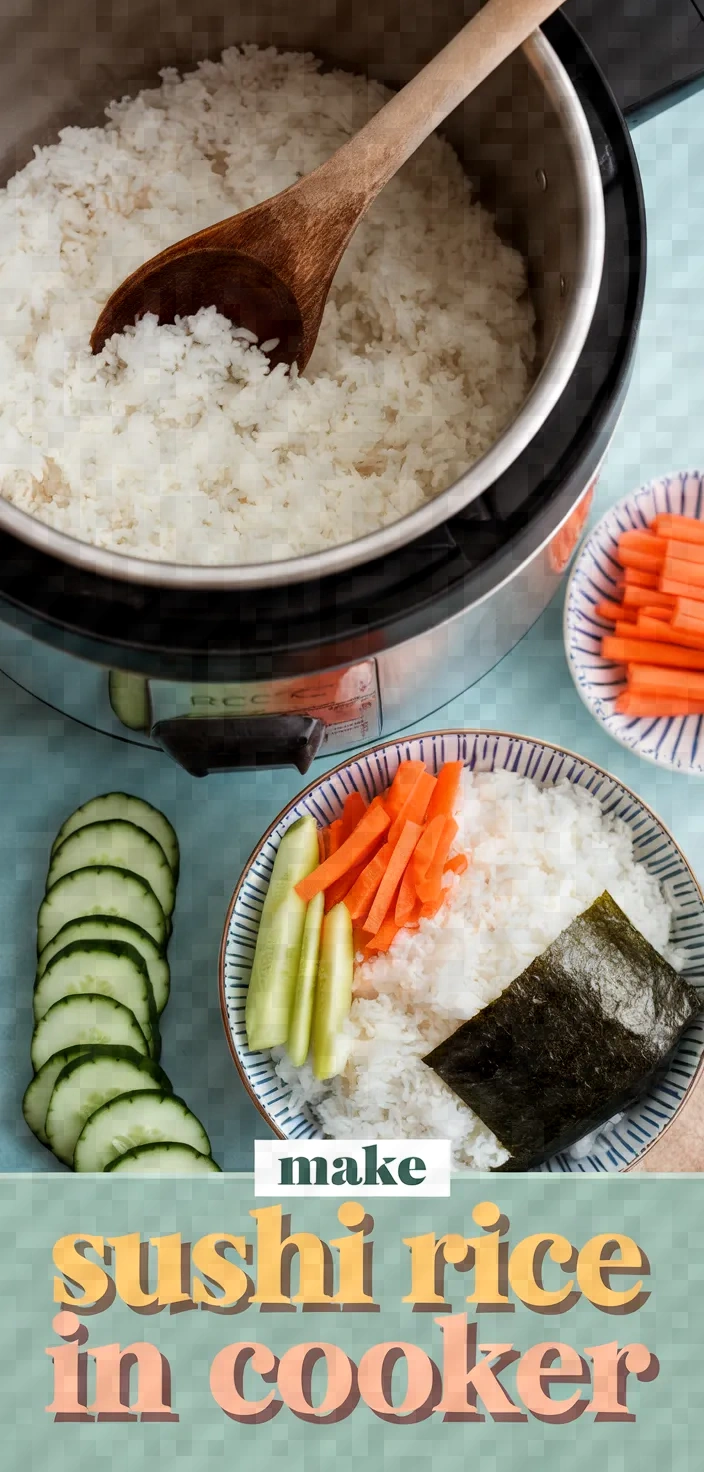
x: 571, y: 1041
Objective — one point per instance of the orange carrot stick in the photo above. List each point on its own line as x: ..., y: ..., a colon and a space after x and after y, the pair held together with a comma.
x: 691, y: 608
x: 407, y: 898
x: 632, y: 577
x: 407, y: 774
x: 355, y: 848
x: 414, y: 807
x: 638, y: 597
x: 429, y: 888
x: 680, y: 623
x: 457, y: 865
x: 385, y: 896
x: 640, y: 541
x: 684, y: 528
x: 352, y: 812
x: 425, y: 850
x: 675, y: 589
x: 664, y: 614
x: 383, y: 938
x: 655, y: 628
x: 334, y: 837
x: 647, y: 679
x: 613, y: 611
x: 361, y: 896
x: 684, y: 572
x: 342, y: 886
x: 685, y: 552
x: 647, y: 651
x: 630, y: 704
x: 643, y: 561
x: 446, y: 789
x: 322, y: 845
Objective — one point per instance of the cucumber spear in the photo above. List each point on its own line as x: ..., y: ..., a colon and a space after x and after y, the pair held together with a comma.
x: 275, y: 967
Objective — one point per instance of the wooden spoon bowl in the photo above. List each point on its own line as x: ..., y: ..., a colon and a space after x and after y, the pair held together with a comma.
x: 270, y: 268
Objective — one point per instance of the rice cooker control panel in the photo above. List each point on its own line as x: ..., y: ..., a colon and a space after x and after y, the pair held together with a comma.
x: 345, y: 702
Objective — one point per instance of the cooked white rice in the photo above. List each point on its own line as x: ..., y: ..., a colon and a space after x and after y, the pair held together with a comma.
x: 177, y: 442
x: 539, y: 857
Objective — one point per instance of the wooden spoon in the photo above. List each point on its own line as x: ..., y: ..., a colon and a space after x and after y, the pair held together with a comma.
x: 270, y: 268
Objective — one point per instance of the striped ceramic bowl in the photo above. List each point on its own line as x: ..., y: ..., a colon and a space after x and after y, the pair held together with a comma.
x: 676, y: 742
x: 619, y: 1145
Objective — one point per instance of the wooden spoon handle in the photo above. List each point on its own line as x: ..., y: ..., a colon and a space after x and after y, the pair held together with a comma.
x: 368, y: 161
x: 680, y: 1147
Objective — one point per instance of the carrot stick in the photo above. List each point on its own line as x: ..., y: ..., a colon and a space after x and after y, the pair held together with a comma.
x: 407, y: 775
x: 684, y: 528
x: 611, y: 612
x: 386, y: 893
x: 457, y: 865
x: 383, y: 938
x: 632, y: 577
x: 425, y: 850
x: 334, y: 838
x: 446, y: 789
x: 676, y: 589
x: 630, y: 704
x: 352, y: 851
x: 647, y: 679
x: 414, y: 807
x: 640, y: 541
x: 354, y: 809
x: 638, y: 597
x: 664, y: 614
x: 429, y: 888
x: 685, y: 551
x: 691, y: 608
x: 361, y: 896
x: 654, y: 628
x: 342, y: 886
x: 322, y: 845
x: 680, y: 623
x: 684, y: 572
x: 643, y: 561
x: 646, y: 651
x: 407, y: 899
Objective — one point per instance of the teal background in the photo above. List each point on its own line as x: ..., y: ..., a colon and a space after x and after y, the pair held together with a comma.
x: 51, y: 764
x: 663, y: 1215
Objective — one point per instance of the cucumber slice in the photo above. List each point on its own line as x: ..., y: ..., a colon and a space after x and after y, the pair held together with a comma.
x: 333, y: 992
x: 89, y: 1082
x: 105, y: 928
x: 130, y: 810
x: 275, y: 967
x: 136, y: 1119
x: 38, y: 1093
x: 122, y: 845
x: 302, y: 1010
x: 130, y: 700
x: 100, y: 891
x: 165, y: 1159
x: 87, y: 1019
x: 103, y: 968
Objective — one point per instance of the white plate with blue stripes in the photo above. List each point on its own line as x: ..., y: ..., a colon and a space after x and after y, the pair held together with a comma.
x: 676, y: 742
x: 618, y: 1145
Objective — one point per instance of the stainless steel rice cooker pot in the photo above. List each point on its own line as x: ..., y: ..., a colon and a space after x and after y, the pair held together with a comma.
x: 225, y: 667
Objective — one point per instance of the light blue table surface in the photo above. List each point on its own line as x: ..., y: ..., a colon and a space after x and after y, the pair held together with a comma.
x: 50, y: 764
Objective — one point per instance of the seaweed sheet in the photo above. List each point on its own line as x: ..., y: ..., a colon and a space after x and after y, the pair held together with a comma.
x: 572, y: 1040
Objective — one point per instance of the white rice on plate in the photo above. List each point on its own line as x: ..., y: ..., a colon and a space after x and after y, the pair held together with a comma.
x: 178, y: 443
x: 539, y: 857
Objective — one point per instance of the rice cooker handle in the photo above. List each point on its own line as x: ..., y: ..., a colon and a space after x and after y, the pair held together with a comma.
x: 207, y: 744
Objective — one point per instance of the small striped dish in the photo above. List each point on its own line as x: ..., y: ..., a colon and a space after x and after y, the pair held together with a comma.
x: 619, y: 1145
x: 676, y: 742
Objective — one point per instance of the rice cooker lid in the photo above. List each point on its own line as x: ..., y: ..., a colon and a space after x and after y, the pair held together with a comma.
x: 198, y: 634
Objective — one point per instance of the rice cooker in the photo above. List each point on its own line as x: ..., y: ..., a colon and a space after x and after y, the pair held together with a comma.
x: 225, y: 668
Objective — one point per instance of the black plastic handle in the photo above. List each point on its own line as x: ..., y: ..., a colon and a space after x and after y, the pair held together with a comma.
x: 205, y: 744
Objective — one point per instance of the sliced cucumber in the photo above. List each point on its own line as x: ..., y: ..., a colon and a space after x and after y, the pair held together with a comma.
x: 333, y: 992
x: 85, y: 1019
x: 87, y: 1083
x: 130, y: 700
x: 103, y: 968
x: 136, y: 1119
x: 275, y: 967
x: 38, y: 1093
x: 105, y: 928
x: 122, y: 845
x: 167, y: 1159
x: 130, y: 810
x: 302, y: 1010
x: 100, y: 891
